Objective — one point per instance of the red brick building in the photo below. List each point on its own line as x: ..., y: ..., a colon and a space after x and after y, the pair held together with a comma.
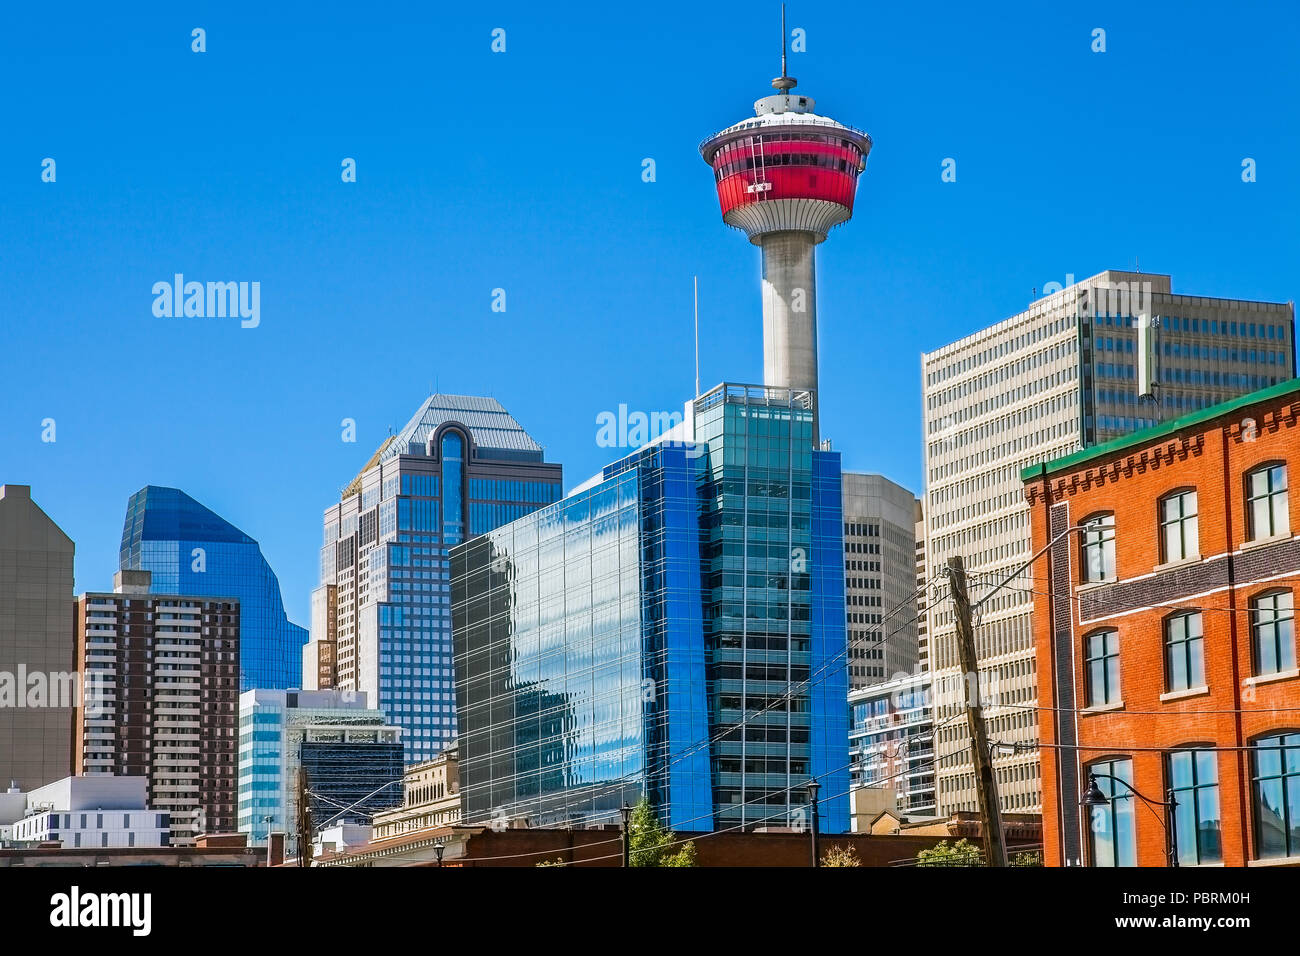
x: 1165, y: 639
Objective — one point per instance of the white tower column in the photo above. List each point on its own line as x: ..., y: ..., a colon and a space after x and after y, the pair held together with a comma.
x: 790, y: 311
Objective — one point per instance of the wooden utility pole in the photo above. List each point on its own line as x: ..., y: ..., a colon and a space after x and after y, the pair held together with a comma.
x: 304, y: 821
x: 995, y: 847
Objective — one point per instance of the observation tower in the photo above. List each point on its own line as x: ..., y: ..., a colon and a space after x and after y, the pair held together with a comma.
x: 785, y: 177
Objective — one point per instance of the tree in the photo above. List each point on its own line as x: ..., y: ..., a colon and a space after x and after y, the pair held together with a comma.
x: 649, y: 844
x: 841, y: 856
x: 943, y: 853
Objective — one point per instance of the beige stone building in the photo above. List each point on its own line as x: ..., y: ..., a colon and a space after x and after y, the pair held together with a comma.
x: 37, y: 653
x: 431, y: 798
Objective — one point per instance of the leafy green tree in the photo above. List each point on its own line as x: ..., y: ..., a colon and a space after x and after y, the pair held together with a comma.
x: 943, y: 853
x: 649, y: 844
x: 841, y: 856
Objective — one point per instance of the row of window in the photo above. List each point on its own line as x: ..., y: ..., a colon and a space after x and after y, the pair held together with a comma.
x: 1267, y: 515
x: 1272, y: 628
x: 1192, y: 777
x: 823, y: 160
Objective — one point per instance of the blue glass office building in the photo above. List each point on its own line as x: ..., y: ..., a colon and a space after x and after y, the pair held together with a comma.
x: 381, y: 618
x: 675, y: 628
x: 191, y: 550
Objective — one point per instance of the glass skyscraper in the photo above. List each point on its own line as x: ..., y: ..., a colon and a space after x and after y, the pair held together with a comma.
x: 381, y: 618
x: 191, y: 550
x: 675, y: 627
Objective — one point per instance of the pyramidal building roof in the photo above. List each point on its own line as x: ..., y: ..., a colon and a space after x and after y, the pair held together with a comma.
x: 496, y: 432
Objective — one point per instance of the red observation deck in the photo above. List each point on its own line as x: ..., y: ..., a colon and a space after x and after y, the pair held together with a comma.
x: 787, y: 169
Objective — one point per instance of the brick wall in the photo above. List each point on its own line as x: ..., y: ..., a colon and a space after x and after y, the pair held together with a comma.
x: 1213, y: 457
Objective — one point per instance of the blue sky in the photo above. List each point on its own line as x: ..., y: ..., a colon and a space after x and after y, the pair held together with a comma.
x: 522, y: 171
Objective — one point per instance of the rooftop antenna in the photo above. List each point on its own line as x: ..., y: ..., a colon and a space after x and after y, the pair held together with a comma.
x: 697, y: 336
x: 783, y: 83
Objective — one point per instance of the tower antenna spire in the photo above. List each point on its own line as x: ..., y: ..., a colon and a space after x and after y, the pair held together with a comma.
x: 784, y: 82
x: 783, y: 43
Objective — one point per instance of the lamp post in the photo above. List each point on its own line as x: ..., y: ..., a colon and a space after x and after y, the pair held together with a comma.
x: 813, y: 788
x: 1093, y: 797
x: 439, y: 848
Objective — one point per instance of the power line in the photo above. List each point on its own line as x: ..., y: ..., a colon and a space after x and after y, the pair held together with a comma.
x: 798, y: 688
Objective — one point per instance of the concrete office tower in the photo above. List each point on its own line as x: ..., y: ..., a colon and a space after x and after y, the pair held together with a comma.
x: 162, y: 676
x: 189, y: 549
x: 922, y: 596
x: 352, y: 755
x: 1057, y: 378
x: 381, y: 618
x: 36, y: 643
x: 785, y: 178
x: 879, y: 576
x: 674, y: 628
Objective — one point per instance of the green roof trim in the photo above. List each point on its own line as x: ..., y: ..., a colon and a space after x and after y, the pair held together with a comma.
x: 1157, y: 432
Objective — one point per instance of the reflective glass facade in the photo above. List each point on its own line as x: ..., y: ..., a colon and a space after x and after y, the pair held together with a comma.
x: 191, y: 550
x: 382, y: 613
x: 676, y: 629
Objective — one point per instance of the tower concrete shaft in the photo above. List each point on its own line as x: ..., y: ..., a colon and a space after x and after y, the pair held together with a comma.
x: 790, y: 311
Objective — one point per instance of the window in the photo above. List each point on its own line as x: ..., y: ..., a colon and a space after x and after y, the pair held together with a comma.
x: 1276, y: 763
x: 1194, y: 780
x: 1178, y: 532
x: 1099, y: 548
x: 1266, y: 502
x: 1103, y: 668
x: 1184, y: 652
x: 1272, y: 625
x: 1112, y: 834
x: 453, y: 519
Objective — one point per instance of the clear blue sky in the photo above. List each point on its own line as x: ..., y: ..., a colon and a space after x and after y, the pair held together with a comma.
x: 522, y: 171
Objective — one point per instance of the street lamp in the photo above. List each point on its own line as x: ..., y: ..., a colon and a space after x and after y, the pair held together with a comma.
x: 813, y: 787
x: 439, y: 848
x: 1094, y: 797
